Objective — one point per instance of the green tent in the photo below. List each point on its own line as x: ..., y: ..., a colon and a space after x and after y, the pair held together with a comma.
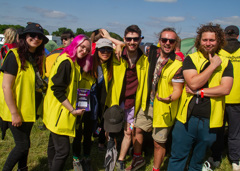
x: 187, y: 46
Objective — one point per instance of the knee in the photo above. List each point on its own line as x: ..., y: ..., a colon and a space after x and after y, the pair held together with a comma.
x: 128, y: 134
x: 22, y: 147
x: 159, y: 146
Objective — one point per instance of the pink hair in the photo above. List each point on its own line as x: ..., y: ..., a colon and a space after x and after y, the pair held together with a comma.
x: 86, y: 62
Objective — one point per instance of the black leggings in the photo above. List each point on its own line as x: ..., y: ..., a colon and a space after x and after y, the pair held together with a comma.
x: 19, y: 153
x: 87, y: 134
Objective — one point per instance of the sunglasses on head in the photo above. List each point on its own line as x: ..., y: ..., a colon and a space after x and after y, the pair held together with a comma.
x: 129, y: 39
x: 108, y: 50
x: 33, y: 35
x: 171, y: 41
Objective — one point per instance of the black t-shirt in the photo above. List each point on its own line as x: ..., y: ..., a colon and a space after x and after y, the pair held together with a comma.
x: 203, y: 108
x: 61, y: 80
x: 10, y: 64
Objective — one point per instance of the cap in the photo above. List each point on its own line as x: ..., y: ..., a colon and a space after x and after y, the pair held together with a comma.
x: 231, y: 30
x: 103, y: 42
x: 113, y: 119
x: 34, y: 28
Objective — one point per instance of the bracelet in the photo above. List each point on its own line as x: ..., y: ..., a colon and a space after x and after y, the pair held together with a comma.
x: 202, y: 93
x: 72, y: 110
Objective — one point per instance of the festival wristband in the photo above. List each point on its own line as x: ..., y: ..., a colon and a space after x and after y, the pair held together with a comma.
x: 202, y: 93
x: 72, y: 110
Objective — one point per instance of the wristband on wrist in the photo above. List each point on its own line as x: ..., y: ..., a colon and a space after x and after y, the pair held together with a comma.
x: 202, y: 93
x: 72, y: 110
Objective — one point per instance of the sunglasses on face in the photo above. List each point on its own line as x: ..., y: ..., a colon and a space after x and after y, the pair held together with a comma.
x: 64, y: 39
x: 108, y: 50
x: 129, y: 39
x: 33, y: 35
x: 171, y: 41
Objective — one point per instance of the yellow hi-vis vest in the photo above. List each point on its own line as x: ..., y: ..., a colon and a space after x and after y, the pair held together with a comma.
x: 23, y: 92
x: 233, y: 97
x: 164, y: 114
x: 115, y: 89
x: 217, y: 103
x: 56, y: 117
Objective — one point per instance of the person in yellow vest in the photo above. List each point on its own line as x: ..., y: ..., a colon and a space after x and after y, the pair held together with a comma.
x: 232, y: 111
x: 160, y: 98
x: 127, y: 85
x: 60, y: 114
x: 209, y: 77
x: 23, y: 72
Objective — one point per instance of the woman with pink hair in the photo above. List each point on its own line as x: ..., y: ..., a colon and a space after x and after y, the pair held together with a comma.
x: 59, y: 104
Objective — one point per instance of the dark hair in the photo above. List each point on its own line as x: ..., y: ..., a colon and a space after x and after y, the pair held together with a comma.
x: 171, y: 30
x: 211, y: 28
x: 133, y: 28
x: 95, y: 36
x: 67, y: 34
x: 96, y: 63
x: 23, y: 52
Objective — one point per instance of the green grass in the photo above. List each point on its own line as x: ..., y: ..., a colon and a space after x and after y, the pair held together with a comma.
x: 37, y: 160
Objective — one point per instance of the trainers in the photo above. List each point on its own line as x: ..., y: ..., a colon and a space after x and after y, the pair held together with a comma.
x: 206, y: 166
x: 77, y: 166
x: 119, y: 166
x: 215, y: 164
x: 137, y: 163
x: 236, y: 167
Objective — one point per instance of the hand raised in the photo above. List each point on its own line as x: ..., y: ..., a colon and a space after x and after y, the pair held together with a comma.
x: 215, y: 61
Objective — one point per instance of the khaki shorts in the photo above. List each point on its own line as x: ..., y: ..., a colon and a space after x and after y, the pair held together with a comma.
x: 144, y: 121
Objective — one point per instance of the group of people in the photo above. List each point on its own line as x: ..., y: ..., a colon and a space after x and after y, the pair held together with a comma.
x: 155, y: 90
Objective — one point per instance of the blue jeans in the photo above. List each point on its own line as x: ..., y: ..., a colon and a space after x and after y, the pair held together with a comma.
x: 195, y: 135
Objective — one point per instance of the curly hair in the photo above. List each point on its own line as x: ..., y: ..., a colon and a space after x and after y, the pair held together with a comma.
x: 211, y: 28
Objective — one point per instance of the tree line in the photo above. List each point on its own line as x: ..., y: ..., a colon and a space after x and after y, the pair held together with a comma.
x: 58, y: 32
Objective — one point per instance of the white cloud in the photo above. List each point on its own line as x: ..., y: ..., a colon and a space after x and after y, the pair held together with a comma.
x: 168, y: 1
x: 172, y: 19
x: 233, y: 20
x: 46, y: 13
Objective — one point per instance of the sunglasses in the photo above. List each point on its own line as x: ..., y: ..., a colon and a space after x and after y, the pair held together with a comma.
x: 64, y: 39
x: 171, y: 41
x: 108, y: 50
x: 33, y: 35
x: 129, y: 39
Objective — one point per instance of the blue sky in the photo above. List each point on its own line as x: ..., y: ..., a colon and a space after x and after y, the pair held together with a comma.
x: 115, y: 15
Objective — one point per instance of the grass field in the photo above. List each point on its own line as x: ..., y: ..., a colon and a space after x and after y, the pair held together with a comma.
x: 37, y: 160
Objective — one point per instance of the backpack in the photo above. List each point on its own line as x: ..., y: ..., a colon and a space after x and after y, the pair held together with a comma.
x: 3, y: 52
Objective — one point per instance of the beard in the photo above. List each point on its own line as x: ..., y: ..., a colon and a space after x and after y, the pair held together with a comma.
x: 207, y: 52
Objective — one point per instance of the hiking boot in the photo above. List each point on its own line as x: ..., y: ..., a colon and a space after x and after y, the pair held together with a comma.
x: 77, y: 166
x: 23, y: 169
x: 136, y: 164
x: 120, y: 166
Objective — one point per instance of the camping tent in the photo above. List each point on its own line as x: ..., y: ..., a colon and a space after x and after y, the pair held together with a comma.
x: 187, y: 46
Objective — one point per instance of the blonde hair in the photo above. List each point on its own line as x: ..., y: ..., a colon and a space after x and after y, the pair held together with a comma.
x: 10, y: 35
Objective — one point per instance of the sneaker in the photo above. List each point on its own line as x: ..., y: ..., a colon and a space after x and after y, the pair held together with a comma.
x: 236, y: 167
x: 137, y: 163
x: 215, y: 164
x: 119, y: 166
x: 206, y: 166
x: 77, y: 166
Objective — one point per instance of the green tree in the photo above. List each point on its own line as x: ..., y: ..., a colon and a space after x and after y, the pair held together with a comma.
x: 79, y: 31
x: 60, y: 31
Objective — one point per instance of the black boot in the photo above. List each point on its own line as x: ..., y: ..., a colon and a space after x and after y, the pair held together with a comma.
x: 23, y: 169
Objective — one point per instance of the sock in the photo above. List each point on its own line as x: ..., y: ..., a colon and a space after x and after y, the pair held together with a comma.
x: 137, y: 154
x: 154, y: 169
